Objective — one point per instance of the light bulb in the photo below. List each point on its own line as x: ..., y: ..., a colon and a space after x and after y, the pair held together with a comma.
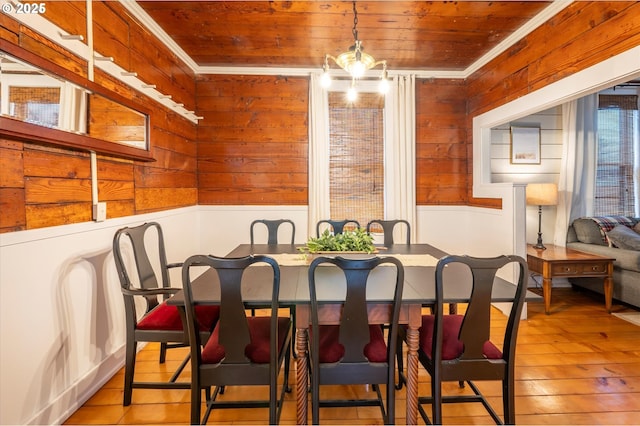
x: 352, y: 95
x: 383, y: 87
x: 357, y: 70
x: 325, y: 80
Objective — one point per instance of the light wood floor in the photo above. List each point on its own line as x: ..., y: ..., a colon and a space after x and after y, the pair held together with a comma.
x: 578, y: 365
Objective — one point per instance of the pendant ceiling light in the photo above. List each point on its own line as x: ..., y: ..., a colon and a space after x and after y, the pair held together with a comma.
x: 355, y: 62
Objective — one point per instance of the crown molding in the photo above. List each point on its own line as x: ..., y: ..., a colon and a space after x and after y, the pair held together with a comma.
x: 305, y: 72
x: 542, y: 17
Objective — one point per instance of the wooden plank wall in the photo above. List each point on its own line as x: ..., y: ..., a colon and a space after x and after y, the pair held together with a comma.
x: 253, y: 140
x: 46, y: 186
x: 441, y: 157
x: 581, y: 35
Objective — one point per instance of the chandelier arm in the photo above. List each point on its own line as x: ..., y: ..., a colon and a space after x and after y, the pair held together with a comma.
x: 375, y: 64
x: 327, y: 56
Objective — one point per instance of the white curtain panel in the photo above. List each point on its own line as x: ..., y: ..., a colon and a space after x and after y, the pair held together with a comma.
x: 319, y: 207
x: 73, y: 108
x: 400, y: 157
x: 577, y: 182
x: 400, y: 151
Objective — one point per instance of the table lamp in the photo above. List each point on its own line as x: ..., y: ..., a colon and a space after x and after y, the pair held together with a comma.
x: 541, y: 194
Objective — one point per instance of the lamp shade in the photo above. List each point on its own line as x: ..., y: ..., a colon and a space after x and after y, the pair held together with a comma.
x: 542, y: 194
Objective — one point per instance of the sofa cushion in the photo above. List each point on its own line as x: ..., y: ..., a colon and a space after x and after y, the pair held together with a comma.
x: 624, y: 237
x: 637, y: 228
x: 593, y: 230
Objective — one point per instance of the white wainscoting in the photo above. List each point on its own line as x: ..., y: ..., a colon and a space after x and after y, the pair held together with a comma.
x: 222, y: 228
x: 61, y: 313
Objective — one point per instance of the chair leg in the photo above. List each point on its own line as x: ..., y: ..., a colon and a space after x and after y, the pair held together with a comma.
x: 400, y: 362
x: 292, y: 314
x: 287, y: 367
x: 436, y: 393
x: 273, y: 403
x: 508, y: 400
x: 279, y: 403
x: 196, y: 395
x: 315, y: 398
x: 163, y: 352
x: 129, y: 369
x: 391, y: 404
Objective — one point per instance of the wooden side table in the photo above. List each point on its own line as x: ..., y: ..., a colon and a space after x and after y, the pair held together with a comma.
x: 564, y: 262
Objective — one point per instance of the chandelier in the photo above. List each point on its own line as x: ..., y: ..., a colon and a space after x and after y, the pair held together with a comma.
x: 355, y: 62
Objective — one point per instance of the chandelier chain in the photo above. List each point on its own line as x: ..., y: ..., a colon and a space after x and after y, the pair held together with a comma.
x: 355, y: 62
x: 355, y: 22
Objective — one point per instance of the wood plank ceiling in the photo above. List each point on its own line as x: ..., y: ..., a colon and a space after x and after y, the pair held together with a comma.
x: 410, y: 35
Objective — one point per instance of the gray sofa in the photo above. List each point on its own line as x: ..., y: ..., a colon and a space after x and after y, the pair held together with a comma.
x: 592, y: 235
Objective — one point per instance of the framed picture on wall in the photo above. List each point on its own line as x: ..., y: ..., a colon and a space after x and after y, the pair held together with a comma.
x: 525, y: 145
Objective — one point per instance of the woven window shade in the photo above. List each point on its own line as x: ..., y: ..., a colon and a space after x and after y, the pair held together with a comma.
x: 356, y: 163
x: 35, y: 104
x: 617, y: 123
x: 626, y: 102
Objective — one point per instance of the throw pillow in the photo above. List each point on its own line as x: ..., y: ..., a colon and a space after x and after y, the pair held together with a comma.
x: 637, y: 228
x: 624, y: 237
x: 588, y: 231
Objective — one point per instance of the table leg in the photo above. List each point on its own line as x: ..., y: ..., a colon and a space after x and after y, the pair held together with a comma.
x: 546, y: 293
x: 412, y: 375
x: 301, y: 376
x: 608, y: 287
x: 453, y: 308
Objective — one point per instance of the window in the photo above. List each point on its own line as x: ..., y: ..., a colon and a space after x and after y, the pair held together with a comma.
x: 356, y: 160
x: 39, y: 105
x: 396, y: 117
x: 618, y: 149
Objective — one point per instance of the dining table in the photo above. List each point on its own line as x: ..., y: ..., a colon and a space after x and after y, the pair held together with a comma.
x: 419, y: 262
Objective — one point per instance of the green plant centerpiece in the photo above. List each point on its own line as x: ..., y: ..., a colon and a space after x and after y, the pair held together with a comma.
x: 358, y: 240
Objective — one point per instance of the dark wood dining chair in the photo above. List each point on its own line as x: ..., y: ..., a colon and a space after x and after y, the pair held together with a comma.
x: 336, y: 226
x: 273, y: 226
x: 355, y: 352
x: 158, y: 322
x: 242, y: 350
x: 460, y: 347
x: 388, y: 226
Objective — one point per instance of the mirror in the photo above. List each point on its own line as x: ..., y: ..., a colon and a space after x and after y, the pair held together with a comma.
x: 114, y: 122
x: 46, y: 96
x: 29, y: 95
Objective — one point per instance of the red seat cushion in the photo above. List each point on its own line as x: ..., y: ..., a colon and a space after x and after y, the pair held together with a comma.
x: 167, y: 317
x: 258, y: 351
x: 451, y: 346
x: 331, y: 350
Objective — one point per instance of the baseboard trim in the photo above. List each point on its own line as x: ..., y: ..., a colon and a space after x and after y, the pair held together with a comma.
x: 67, y: 403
